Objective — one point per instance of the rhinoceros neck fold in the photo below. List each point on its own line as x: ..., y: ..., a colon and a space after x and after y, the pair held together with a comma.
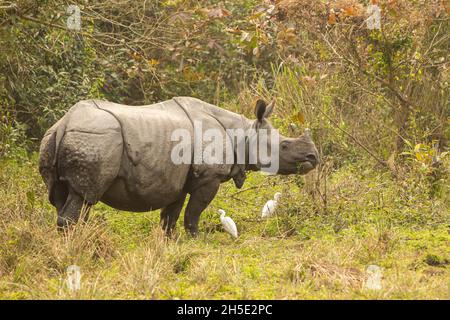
x: 225, y: 119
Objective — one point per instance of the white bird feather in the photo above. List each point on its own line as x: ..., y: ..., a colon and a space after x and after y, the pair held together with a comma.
x: 228, y: 224
x: 270, y: 206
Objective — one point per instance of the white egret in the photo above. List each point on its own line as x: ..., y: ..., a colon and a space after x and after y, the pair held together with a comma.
x: 228, y: 224
x: 270, y: 206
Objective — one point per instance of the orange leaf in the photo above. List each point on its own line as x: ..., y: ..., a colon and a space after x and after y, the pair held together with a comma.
x: 349, y: 11
x: 331, y: 18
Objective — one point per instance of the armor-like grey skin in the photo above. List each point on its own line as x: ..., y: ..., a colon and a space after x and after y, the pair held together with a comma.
x: 121, y: 155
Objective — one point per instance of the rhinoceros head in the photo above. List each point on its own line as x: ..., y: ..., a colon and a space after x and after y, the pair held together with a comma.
x: 295, y: 155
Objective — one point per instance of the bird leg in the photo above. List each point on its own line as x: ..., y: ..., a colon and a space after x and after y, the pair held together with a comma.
x: 199, y: 200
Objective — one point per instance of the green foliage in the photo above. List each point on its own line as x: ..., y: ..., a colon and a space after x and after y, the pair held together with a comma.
x: 13, y: 139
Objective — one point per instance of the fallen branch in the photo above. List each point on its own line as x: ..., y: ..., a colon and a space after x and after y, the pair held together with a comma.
x: 246, y: 189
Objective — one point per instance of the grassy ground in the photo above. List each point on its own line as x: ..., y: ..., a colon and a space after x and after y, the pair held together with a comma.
x: 307, y: 251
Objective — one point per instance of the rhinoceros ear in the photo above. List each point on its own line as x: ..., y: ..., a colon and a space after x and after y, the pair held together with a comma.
x: 269, y: 109
x: 260, y: 109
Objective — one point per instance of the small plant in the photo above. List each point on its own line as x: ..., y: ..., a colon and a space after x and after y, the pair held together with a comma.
x: 425, y: 155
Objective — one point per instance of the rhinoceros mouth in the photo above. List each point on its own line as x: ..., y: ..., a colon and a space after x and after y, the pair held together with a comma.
x: 306, y: 165
x: 298, y: 167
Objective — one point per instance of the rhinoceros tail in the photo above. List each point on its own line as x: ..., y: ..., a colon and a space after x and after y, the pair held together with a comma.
x: 59, y: 134
x: 57, y: 189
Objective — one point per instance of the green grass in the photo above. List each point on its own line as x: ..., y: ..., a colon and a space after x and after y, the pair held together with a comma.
x: 307, y: 251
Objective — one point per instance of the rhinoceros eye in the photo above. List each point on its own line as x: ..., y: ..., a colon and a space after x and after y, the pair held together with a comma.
x: 285, y: 145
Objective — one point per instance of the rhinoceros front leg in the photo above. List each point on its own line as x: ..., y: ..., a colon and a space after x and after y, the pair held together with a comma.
x: 170, y: 214
x: 199, y: 200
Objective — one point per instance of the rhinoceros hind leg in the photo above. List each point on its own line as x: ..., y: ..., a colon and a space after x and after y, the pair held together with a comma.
x: 170, y: 214
x: 74, y: 206
x: 199, y: 200
x: 58, y: 194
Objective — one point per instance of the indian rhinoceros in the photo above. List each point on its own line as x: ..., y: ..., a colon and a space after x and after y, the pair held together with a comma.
x: 122, y: 156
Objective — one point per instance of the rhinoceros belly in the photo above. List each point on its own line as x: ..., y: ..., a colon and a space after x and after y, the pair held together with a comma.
x: 119, y: 196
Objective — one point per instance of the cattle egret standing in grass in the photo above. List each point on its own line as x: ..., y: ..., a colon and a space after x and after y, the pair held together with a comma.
x: 228, y: 224
x: 270, y: 206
